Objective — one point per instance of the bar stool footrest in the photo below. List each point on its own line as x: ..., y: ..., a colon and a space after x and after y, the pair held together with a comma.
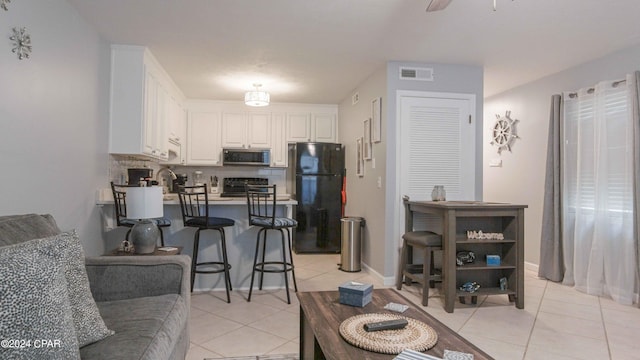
x: 214, y: 271
x: 287, y: 267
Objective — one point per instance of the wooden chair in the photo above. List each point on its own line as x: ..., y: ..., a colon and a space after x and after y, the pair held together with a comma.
x: 120, y: 205
x: 261, y: 203
x: 427, y: 242
x: 194, y: 202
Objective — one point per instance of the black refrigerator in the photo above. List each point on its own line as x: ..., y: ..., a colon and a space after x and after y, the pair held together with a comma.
x: 319, y: 171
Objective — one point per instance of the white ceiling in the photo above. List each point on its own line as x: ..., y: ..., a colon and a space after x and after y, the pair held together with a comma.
x: 319, y: 51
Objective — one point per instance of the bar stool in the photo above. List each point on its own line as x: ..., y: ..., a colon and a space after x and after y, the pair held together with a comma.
x: 194, y: 203
x: 261, y: 202
x: 424, y: 273
x: 120, y: 204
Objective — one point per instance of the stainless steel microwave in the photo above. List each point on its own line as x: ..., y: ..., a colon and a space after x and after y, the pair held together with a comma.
x: 246, y: 157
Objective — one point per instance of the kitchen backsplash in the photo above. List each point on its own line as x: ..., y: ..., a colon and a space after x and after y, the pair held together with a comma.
x: 119, y: 164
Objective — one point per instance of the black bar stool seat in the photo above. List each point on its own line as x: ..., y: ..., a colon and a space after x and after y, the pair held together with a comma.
x: 261, y: 202
x: 426, y: 241
x: 194, y: 202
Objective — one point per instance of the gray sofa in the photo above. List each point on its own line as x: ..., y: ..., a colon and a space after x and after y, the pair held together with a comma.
x: 144, y: 301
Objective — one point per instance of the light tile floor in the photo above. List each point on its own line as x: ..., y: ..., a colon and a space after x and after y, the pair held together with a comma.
x: 557, y: 322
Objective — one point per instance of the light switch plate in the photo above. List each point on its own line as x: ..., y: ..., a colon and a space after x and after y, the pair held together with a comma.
x: 495, y: 163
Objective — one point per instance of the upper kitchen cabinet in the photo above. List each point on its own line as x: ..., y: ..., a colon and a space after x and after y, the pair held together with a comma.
x: 279, y: 148
x: 324, y: 126
x: 141, y: 108
x: 177, y: 128
x: 203, y: 138
x: 311, y: 127
x: 246, y: 130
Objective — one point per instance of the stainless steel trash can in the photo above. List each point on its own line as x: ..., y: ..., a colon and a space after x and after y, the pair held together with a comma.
x: 351, y: 248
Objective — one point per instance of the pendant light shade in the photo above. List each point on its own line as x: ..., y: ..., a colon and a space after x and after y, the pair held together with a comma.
x: 257, y: 97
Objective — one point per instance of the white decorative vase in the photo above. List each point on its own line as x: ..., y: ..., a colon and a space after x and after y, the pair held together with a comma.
x: 438, y: 193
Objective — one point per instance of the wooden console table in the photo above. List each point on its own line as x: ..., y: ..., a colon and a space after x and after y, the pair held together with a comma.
x: 458, y: 217
x: 321, y: 315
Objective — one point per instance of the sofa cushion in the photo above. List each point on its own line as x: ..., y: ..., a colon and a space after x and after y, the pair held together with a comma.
x: 146, y: 328
x: 34, y: 304
x: 15, y: 229
x: 67, y: 250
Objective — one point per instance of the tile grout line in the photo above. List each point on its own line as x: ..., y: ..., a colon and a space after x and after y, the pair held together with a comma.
x: 535, y: 319
x: 604, y: 327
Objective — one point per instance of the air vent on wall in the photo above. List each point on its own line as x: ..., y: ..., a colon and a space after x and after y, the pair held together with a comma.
x: 411, y: 73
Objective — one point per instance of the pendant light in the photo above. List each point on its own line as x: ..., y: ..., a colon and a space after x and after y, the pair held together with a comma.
x: 256, y: 97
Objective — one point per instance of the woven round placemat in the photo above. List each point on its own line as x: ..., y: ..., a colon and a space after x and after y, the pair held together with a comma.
x: 416, y: 335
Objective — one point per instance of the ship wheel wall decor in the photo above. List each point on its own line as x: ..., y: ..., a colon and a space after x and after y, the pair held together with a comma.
x: 503, y: 132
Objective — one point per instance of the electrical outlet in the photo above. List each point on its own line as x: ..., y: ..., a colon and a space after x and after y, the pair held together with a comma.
x: 379, y: 182
x: 495, y: 163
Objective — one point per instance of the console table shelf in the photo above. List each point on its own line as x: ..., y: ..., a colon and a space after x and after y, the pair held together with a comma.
x: 458, y: 217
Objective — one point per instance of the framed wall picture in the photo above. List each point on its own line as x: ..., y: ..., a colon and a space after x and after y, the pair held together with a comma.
x: 359, y: 158
x: 376, y: 109
x: 366, y: 151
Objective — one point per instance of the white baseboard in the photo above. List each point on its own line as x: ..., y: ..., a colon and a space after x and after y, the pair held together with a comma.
x: 385, y: 280
x: 531, y: 267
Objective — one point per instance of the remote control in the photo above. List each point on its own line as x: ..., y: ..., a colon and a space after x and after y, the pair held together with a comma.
x: 386, y: 325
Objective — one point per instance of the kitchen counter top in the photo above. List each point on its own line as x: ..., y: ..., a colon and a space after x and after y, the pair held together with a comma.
x: 105, y: 197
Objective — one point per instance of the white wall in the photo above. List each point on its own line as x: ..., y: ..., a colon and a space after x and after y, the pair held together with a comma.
x: 53, y: 118
x: 521, y: 177
x: 364, y: 198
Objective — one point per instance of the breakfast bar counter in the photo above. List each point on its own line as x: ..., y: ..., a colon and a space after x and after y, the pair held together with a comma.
x: 241, y: 238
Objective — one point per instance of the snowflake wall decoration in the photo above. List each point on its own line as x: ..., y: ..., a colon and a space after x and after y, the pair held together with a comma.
x: 21, y: 42
x: 3, y: 4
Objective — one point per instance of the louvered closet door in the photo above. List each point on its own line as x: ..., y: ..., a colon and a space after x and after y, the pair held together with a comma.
x: 437, y: 146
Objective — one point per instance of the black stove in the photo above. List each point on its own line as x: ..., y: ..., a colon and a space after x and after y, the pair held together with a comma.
x: 235, y: 187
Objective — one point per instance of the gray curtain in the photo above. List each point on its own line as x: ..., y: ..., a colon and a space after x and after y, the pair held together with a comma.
x: 551, y: 257
x: 636, y: 168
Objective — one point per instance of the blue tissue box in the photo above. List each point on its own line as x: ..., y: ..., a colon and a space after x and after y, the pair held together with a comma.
x: 355, y: 294
x: 493, y: 260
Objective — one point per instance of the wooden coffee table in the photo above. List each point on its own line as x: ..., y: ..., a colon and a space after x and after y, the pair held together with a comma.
x: 321, y: 315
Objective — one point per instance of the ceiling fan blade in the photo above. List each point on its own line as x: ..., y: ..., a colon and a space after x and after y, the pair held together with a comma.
x: 436, y: 5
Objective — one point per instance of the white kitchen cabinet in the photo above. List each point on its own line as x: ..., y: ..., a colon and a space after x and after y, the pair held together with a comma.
x: 204, y: 142
x: 139, y: 107
x: 324, y: 126
x: 176, y: 121
x: 234, y: 130
x: 177, y: 127
x: 246, y: 130
x: 314, y: 127
x: 259, y: 130
x: 279, y: 148
x: 298, y: 127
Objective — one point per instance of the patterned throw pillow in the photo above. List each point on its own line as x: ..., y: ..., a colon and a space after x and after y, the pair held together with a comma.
x: 67, y: 250
x: 35, y: 313
x: 15, y: 229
